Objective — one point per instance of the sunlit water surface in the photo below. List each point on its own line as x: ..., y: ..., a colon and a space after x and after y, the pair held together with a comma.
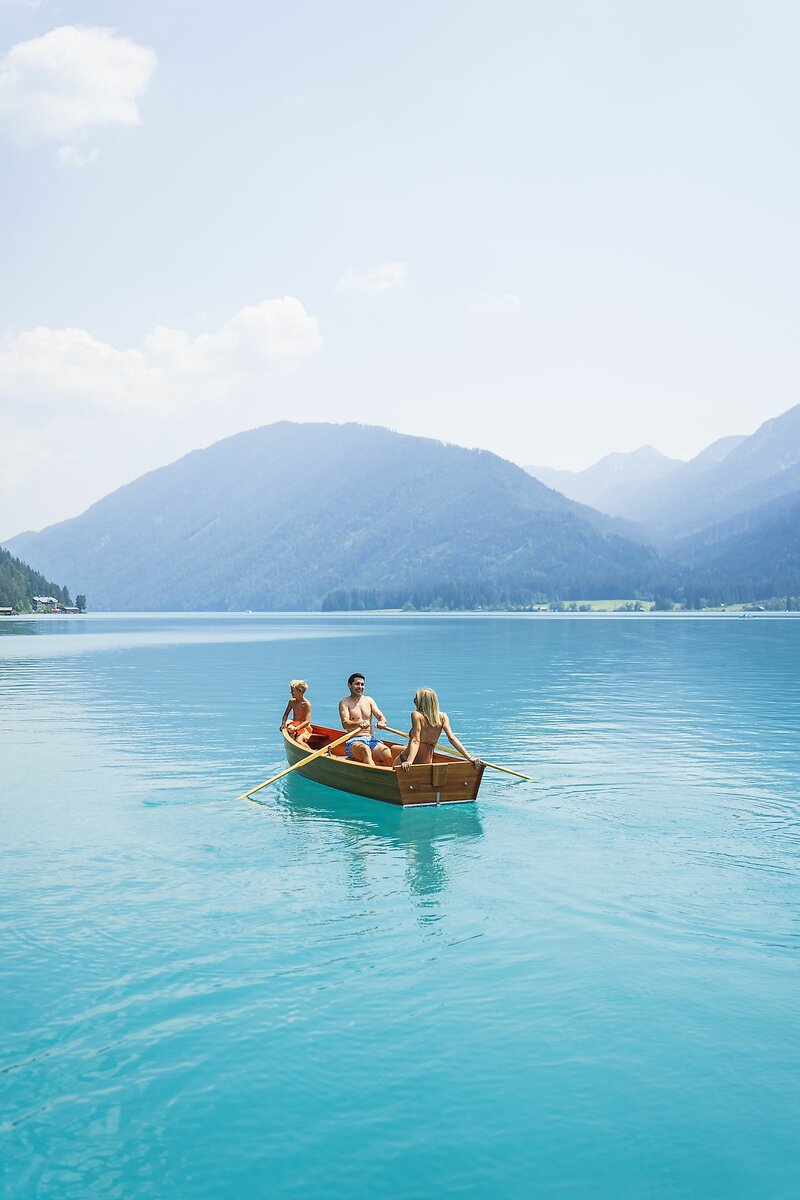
x: 582, y: 987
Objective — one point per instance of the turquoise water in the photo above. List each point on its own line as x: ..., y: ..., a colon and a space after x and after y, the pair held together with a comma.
x: 582, y: 987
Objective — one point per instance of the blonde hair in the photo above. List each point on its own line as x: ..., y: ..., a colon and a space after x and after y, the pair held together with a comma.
x: 427, y: 702
x: 298, y: 683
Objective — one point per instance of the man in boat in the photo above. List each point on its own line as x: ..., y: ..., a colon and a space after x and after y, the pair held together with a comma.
x: 356, y: 712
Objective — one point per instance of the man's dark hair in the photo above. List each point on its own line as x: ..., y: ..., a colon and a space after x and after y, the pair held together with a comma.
x: 356, y: 675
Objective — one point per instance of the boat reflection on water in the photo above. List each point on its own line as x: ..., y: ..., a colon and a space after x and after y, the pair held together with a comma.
x: 428, y: 836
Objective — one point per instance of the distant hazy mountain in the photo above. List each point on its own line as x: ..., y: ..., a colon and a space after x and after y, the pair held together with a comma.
x: 643, y: 500
x: 725, y: 479
x: 560, y: 480
x: 611, y: 477
x: 673, y: 500
x: 711, y: 457
x: 283, y: 516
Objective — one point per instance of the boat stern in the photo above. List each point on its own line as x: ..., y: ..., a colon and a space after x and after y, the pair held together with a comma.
x: 453, y: 782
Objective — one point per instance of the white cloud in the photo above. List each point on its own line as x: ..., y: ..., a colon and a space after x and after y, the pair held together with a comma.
x: 44, y: 372
x: 385, y: 278
x: 59, y: 87
x: 78, y: 416
x: 504, y: 303
x: 269, y: 331
x: 272, y: 329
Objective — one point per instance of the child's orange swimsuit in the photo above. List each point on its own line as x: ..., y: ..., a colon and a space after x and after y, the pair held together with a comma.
x: 300, y: 730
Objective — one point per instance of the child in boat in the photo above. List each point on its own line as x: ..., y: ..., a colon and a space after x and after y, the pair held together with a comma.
x: 300, y: 725
x: 428, y: 724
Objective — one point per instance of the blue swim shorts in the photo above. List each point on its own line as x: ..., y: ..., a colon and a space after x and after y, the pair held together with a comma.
x: 372, y: 742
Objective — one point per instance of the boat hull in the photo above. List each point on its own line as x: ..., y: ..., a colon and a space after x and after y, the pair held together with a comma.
x: 447, y: 780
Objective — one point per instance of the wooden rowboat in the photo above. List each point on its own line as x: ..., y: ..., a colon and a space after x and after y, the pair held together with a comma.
x: 447, y: 780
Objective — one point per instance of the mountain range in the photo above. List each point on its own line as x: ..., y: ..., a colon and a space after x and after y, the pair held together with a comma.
x: 670, y: 500
x: 303, y: 516
x: 308, y: 516
x: 725, y: 519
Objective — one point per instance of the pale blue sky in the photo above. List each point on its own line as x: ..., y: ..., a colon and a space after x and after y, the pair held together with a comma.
x: 588, y: 212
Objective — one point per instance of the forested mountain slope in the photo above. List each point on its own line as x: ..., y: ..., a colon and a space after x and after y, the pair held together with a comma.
x: 753, y: 555
x: 19, y: 583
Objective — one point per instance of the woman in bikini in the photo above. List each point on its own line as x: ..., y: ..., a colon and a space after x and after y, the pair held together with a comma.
x: 427, y: 726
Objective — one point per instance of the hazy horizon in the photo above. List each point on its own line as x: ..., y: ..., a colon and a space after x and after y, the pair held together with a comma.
x: 551, y: 232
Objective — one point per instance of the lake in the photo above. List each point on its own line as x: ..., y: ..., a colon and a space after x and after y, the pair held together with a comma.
x: 585, y: 986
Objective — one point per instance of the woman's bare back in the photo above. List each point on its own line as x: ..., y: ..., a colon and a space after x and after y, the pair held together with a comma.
x: 429, y: 735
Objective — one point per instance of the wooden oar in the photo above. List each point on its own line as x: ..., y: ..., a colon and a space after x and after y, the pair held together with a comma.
x: 441, y: 746
x: 302, y: 763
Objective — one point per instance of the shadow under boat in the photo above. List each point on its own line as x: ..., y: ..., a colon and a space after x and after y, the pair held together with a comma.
x: 369, y: 829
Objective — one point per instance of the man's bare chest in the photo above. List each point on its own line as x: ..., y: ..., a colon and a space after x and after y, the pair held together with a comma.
x: 361, y: 710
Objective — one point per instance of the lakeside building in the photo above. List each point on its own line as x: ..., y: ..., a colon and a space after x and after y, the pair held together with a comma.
x: 46, y: 604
